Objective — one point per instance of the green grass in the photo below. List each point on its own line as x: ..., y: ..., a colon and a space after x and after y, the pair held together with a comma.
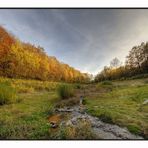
x: 65, y: 91
x: 7, y: 93
x: 105, y: 86
x: 123, y: 105
x: 134, y: 129
x: 116, y: 102
x: 27, y: 119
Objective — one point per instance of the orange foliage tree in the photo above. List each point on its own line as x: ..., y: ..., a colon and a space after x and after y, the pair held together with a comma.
x: 23, y: 60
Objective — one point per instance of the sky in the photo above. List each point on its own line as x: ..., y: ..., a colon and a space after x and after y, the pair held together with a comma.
x: 86, y: 39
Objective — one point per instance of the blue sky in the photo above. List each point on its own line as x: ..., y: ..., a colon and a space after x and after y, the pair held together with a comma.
x: 87, y: 39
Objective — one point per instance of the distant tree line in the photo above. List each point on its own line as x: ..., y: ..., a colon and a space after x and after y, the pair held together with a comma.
x: 136, y: 64
x: 23, y: 60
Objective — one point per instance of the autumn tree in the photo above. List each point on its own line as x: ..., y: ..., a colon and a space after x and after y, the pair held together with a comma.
x: 24, y: 60
x: 136, y: 64
x: 6, y: 40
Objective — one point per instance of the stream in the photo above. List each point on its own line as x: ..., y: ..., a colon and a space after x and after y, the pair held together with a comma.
x: 101, y: 130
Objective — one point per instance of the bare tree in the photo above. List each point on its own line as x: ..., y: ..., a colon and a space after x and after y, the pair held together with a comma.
x: 115, y: 63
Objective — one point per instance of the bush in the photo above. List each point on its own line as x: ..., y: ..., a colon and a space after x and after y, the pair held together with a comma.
x: 7, y: 93
x: 65, y: 91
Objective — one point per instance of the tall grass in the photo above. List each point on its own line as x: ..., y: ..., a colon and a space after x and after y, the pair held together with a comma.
x: 7, y: 93
x: 65, y: 91
x: 29, y: 86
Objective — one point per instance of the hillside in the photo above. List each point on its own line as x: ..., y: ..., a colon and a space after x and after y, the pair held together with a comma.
x: 135, y: 65
x: 23, y: 60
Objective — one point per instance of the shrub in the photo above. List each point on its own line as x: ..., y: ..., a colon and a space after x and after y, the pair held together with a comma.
x: 7, y: 93
x: 65, y: 91
x: 84, y: 101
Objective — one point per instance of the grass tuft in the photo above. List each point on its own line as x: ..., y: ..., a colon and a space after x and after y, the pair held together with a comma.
x: 65, y: 91
x: 7, y: 93
x: 106, y: 118
x: 134, y: 129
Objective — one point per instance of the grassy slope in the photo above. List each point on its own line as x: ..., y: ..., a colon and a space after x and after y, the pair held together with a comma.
x: 27, y: 119
x: 121, y: 103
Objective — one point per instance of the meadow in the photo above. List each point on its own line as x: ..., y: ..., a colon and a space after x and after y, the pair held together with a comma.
x: 121, y: 103
x: 26, y: 116
x: 42, y: 97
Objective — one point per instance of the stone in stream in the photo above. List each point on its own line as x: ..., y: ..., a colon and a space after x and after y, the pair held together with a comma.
x: 104, y: 135
x: 69, y: 123
x: 53, y: 124
x: 145, y: 102
x: 64, y: 110
x: 81, y: 100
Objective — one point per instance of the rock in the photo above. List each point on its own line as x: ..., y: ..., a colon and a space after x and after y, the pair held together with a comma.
x: 64, y: 110
x: 53, y: 125
x: 145, y: 102
x: 103, y: 130
x: 104, y: 135
x: 63, y: 123
x: 69, y: 123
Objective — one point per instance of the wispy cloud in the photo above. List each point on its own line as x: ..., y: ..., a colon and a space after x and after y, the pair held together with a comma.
x: 85, y: 39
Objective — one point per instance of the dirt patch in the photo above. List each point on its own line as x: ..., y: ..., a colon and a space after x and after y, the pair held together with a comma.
x: 55, y: 118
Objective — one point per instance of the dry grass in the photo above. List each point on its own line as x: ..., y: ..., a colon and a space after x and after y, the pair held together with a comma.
x: 81, y: 131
